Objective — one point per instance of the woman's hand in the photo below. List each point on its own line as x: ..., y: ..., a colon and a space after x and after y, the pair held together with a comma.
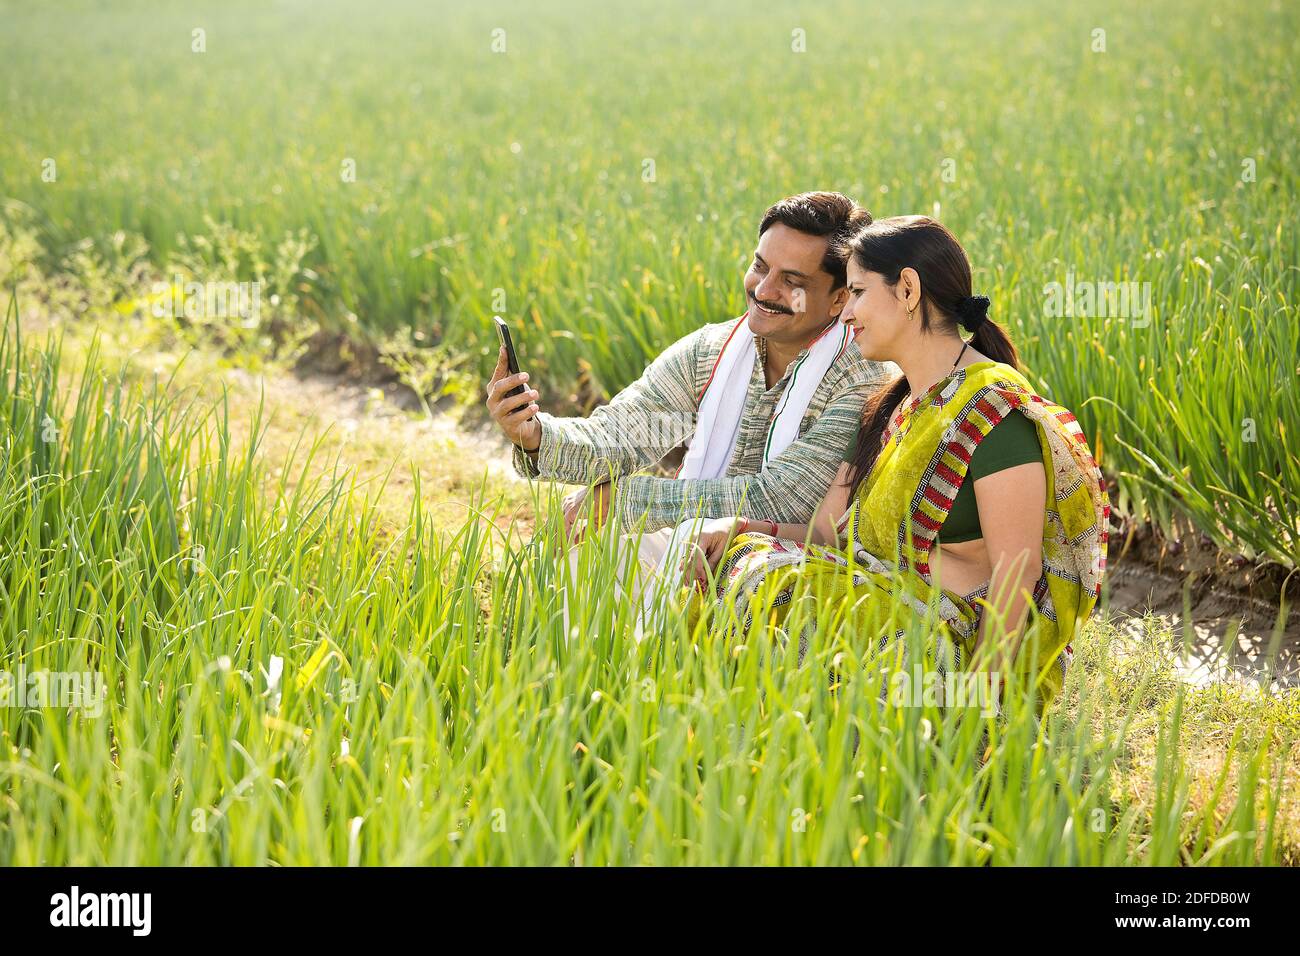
x: 575, y: 508
x: 572, y: 505
x: 710, y: 544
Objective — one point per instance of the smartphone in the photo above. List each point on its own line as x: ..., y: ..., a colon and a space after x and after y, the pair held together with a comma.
x: 512, y: 363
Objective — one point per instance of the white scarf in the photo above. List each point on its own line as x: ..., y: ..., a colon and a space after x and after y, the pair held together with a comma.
x: 718, y: 426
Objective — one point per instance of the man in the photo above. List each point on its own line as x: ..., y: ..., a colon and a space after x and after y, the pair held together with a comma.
x: 767, y: 401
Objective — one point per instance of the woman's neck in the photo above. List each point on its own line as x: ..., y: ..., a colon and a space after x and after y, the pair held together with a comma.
x: 932, y: 360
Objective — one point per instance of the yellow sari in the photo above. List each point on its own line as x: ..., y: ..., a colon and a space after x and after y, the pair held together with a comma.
x: 880, y: 568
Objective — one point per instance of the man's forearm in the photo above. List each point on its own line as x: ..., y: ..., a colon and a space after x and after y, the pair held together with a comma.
x: 788, y: 490
x: 665, y: 501
x: 602, y: 448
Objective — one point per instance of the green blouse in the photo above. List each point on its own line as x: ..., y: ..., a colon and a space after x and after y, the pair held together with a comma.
x: 1013, y: 441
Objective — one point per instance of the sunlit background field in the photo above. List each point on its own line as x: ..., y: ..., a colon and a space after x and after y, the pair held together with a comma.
x: 395, y: 174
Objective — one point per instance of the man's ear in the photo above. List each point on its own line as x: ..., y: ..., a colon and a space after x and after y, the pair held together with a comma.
x: 839, y: 299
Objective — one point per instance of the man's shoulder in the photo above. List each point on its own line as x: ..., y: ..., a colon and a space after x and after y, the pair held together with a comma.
x: 714, y: 335
x: 703, y: 342
x: 852, y: 370
x: 703, y: 346
x: 683, y: 363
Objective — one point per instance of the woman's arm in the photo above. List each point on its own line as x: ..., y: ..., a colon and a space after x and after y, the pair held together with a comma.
x: 833, y: 504
x: 1012, y: 506
x: 716, y: 537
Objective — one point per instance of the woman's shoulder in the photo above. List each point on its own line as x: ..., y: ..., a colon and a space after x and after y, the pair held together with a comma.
x: 1012, y: 441
x: 990, y: 373
x: 995, y: 381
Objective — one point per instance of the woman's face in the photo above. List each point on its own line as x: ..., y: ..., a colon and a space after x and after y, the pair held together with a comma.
x: 878, y: 311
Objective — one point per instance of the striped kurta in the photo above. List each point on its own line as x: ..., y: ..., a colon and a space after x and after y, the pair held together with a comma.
x: 656, y: 414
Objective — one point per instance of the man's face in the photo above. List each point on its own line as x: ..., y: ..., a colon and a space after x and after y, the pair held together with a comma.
x: 789, y: 294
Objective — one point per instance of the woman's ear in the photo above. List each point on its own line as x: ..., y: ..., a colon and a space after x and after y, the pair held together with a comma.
x: 909, y: 288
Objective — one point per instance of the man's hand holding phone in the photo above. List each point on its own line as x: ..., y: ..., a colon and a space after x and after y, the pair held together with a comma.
x: 514, y: 407
x: 515, y: 414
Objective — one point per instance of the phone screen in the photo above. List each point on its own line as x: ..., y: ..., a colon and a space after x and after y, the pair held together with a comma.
x: 512, y: 362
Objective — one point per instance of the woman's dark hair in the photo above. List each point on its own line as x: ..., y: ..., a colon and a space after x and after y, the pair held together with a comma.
x: 887, y: 247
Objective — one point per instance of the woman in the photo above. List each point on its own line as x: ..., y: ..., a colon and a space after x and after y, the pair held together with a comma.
x: 966, y: 493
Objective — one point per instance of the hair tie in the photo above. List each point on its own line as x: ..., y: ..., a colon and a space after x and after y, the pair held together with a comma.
x: 973, y: 311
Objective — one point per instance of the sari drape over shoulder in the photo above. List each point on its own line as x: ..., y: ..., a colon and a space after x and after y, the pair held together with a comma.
x: 888, y: 534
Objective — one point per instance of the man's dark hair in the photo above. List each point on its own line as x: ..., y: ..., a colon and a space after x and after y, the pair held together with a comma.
x: 832, y: 216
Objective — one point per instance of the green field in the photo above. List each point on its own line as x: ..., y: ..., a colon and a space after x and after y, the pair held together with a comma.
x: 598, y: 183
x: 524, y: 171
x: 286, y: 681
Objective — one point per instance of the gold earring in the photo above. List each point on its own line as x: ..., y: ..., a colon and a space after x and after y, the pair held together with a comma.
x: 909, y: 313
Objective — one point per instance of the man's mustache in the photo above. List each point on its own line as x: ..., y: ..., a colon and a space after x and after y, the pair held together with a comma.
x: 771, y: 306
